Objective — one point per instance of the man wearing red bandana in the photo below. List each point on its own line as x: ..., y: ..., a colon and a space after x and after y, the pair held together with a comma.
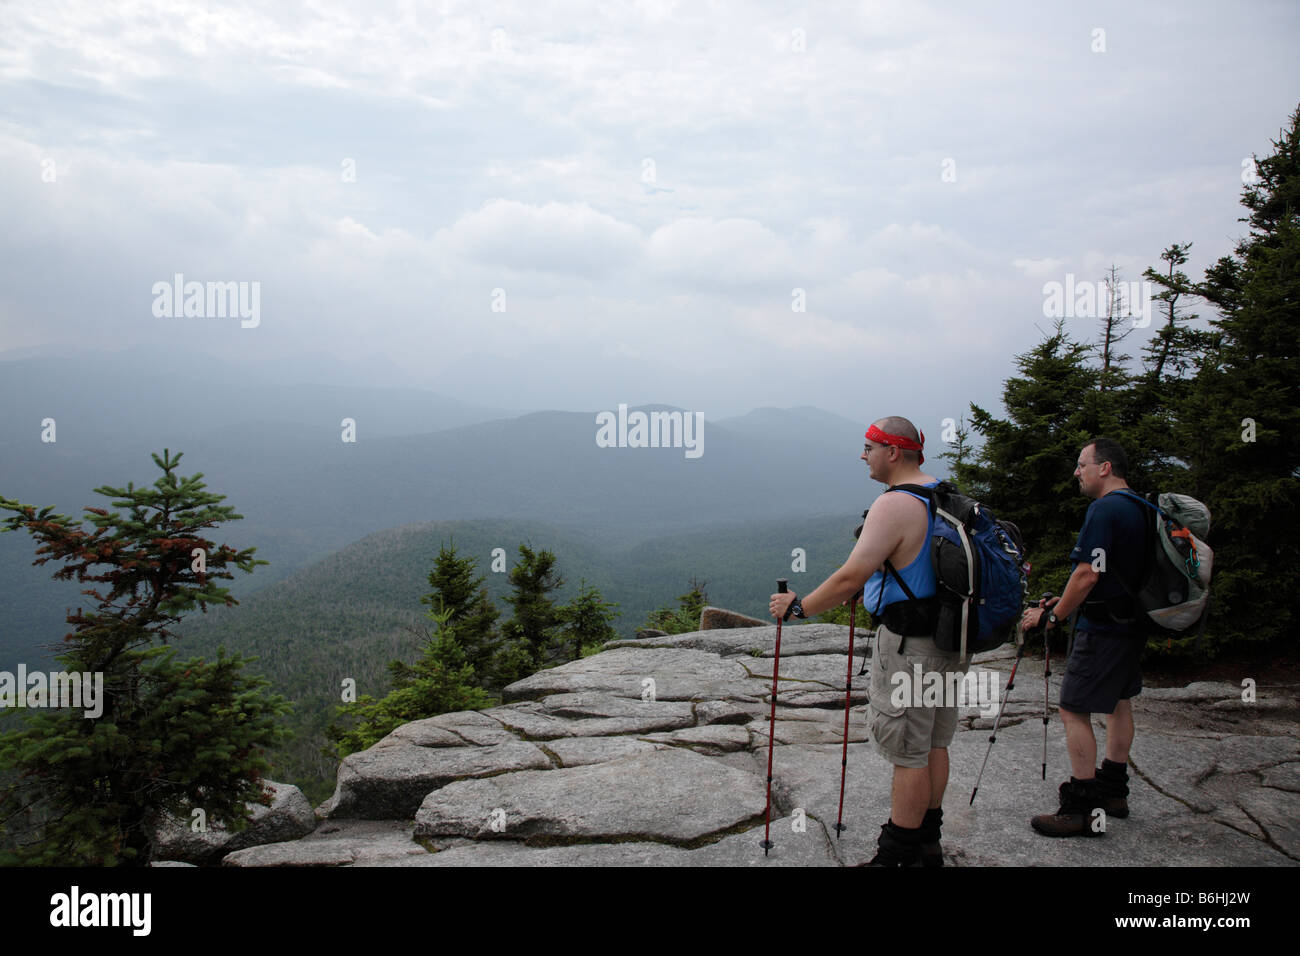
x: 913, y: 738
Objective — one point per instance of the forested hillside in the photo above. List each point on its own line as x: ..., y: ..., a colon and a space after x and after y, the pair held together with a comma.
x: 349, y: 614
x: 303, y: 493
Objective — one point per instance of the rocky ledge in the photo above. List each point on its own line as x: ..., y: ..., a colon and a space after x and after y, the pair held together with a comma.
x: 655, y: 752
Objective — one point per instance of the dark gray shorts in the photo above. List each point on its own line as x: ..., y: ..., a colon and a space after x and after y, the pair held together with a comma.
x: 1104, y: 668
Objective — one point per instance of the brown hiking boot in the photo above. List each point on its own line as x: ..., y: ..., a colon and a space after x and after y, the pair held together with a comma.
x: 1112, y: 788
x: 1075, y: 816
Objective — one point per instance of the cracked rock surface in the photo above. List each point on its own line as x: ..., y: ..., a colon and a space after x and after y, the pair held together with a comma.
x: 654, y: 752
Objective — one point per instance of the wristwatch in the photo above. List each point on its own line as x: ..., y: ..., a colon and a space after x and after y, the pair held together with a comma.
x: 1052, y: 618
x: 796, y: 609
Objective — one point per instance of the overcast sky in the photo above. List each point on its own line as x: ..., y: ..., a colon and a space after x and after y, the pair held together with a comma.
x: 647, y: 184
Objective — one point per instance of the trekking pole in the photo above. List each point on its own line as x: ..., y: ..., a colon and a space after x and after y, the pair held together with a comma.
x: 1047, y: 674
x: 771, y: 724
x: 857, y: 533
x: 848, y: 690
x: 1011, y: 682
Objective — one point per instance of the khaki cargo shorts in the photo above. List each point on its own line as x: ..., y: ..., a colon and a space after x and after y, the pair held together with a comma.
x: 905, y: 735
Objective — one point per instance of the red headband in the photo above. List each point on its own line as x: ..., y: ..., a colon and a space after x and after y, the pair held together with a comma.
x: 882, y: 438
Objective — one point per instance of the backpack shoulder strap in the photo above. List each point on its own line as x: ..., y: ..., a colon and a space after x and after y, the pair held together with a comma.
x: 1149, y: 519
x: 1134, y: 496
x: 929, y: 495
x: 921, y: 491
x: 1150, y: 523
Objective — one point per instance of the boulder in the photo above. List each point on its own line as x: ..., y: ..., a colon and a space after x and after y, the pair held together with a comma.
x: 669, y: 795
x: 388, y: 782
x: 288, y: 817
x: 581, y: 751
x: 339, y: 843
x: 797, y: 842
x: 716, y: 618
x: 640, y: 671
x: 591, y: 714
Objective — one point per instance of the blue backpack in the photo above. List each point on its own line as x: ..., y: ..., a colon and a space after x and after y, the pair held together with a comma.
x: 979, y: 568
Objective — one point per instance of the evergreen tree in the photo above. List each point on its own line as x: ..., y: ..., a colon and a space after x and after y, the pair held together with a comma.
x: 687, y: 616
x: 455, y: 589
x: 440, y: 682
x: 1156, y: 395
x: 1024, y: 468
x: 1114, y: 329
x: 173, y: 735
x: 536, y: 619
x: 1173, y: 351
x: 960, y: 452
x: 588, y: 621
x: 1241, y: 418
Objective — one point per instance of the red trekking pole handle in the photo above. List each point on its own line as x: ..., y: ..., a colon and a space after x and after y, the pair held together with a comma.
x: 771, y: 723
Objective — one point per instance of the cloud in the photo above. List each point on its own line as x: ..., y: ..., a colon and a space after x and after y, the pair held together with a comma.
x: 1038, y: 268
x: 720, y: 254
x: 567, y: 238
x: 806, y: 333
x: 826, y: 231
x: 502, y: 146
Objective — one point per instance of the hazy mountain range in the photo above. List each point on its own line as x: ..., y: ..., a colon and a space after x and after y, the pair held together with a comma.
x: 275, y: 450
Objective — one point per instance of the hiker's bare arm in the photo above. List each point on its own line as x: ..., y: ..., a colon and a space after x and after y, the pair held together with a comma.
x: 882, y: 533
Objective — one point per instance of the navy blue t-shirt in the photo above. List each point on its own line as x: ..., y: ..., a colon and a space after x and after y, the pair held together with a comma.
x: 1118, y: 524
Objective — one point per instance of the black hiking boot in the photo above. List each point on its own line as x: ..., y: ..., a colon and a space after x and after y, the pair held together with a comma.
x: 1112, y: 788
x: 1075, y: 817
x: 897, y: 846
x: 931, y: 851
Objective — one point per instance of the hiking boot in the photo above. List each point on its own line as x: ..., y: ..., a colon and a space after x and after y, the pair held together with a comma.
x: 1074, y: 818
x: 1112, y: 788
x: 897, y: 847
x: 931, y: 851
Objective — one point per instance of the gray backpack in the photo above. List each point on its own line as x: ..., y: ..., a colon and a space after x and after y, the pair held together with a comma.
x: 1175, y: 588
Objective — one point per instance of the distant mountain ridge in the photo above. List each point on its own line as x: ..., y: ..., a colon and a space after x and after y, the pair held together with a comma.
x: 351, y: 528
x: 418, y: 457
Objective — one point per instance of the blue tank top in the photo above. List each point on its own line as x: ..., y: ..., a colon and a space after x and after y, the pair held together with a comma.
x: 919, y: 574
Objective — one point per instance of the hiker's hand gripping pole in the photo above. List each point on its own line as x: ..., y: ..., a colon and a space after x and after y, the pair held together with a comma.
x: 1011, y: 682
x: 781, y: 584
